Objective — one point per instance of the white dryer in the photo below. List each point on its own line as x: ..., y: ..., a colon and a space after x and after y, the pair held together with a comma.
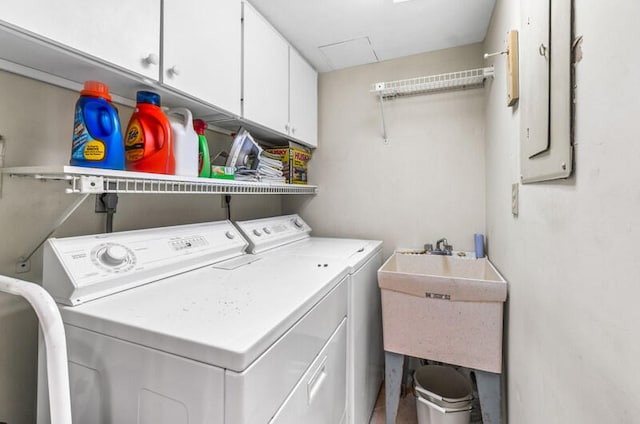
x: 283, y: 237
x: 177, y: 325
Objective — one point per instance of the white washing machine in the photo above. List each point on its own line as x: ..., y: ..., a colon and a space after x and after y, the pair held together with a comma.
x: 178, y: 325
x: 284, y: 236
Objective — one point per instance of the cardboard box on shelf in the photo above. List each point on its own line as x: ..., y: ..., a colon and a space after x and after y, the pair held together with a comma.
x: 222, y: 172
x: 295, y: 160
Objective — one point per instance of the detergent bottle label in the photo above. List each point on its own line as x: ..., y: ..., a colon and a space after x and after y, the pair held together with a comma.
x: 84, y: 146
x: 134, y: 141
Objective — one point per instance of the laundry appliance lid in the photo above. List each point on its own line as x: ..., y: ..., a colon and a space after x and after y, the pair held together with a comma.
x: 226, y: 318
x: 354, y: 251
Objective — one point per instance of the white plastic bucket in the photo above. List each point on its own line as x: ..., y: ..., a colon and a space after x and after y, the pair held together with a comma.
x: 443, y: 395
x: 430, y: 413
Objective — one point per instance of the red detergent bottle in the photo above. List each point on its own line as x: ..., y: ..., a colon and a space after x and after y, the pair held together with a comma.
x: 148, y: 141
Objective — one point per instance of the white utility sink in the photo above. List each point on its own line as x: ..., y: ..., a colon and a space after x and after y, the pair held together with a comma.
x: 443, y: 308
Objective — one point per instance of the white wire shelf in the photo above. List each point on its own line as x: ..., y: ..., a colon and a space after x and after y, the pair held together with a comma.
x: 473, y: 78
x: 96, y: 181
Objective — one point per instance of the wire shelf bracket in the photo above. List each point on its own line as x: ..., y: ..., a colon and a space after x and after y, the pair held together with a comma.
x: 24, y: 262
x: 461, y: 80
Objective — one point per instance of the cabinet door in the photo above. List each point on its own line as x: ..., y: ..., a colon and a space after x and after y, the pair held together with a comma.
x: 202, y: 50
x: 266, y: 73
x: 303, y: 100
x: 120, y: 32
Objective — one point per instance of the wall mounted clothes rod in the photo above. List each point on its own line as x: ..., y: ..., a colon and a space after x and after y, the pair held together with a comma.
x: 461, y: 80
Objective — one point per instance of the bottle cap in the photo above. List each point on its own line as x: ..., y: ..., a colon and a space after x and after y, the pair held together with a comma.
x: 148, y: 97
x: 199, y: 125
x: 96, y: 89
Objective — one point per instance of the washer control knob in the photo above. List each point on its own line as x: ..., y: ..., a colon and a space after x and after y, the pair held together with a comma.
x: 230, y: 235
x: 114, y: 255
x: 297, y: 223
x: 266, y: 230
x: 257, y: 232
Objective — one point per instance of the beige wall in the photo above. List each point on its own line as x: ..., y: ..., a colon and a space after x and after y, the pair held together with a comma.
x: 36, y: 120
x: 427, y: 183
x: 571, y: 254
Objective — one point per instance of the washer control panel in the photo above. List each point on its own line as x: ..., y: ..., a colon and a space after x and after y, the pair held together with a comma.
x: 78, y: 269
x: 267, y: 233
x: 188, y: 242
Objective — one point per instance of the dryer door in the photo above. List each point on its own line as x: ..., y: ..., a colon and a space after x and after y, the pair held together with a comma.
x: 319, y: 397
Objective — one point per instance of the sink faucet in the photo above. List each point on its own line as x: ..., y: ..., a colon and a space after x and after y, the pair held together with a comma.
x: 442, y: 248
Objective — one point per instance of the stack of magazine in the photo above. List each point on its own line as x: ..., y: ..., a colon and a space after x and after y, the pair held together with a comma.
x: 270, y: 168
x: 251, y: 162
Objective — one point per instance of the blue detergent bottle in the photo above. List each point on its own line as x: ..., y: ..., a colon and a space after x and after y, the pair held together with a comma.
x: 97, y: 136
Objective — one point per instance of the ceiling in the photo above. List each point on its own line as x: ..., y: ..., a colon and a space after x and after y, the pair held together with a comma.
x: 336, y: 34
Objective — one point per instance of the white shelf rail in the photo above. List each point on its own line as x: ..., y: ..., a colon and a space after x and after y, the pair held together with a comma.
x: 86, y: 181
x: 461, y: 80
x: 98, y: 181
x: 54, y: 342
x: 473, y: 78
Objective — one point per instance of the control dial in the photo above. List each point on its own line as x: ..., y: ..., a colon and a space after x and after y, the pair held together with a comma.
x: 297, y: 223
x: 113, y: 257
x: 257, y: 232
x: 266, y: 230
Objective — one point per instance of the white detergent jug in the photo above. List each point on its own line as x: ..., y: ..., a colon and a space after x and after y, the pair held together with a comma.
x: 185, y: 144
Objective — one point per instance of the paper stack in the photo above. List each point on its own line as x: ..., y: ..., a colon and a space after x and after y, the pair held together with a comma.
x: 252, y: 163
x: 270, y: 168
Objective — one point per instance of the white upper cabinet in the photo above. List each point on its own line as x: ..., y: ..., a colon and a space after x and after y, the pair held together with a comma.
x: 303, y: 100
x: 280, y: 88
x: 124, y: 33
x: 202, y: 50
x: 220, y: 58
x: 266, y: 73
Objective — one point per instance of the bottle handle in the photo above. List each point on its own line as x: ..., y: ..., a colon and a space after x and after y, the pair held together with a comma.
x: 106, y: 122
x: 184, y: 113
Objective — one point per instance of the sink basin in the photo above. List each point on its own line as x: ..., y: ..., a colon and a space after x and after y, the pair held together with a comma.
x: 443, y: 308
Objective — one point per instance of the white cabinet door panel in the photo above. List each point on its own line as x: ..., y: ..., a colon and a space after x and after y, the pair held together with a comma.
x: 266, y: 73
x: 120, y: 32
x: 303, y: 100
x: 202, y: 50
